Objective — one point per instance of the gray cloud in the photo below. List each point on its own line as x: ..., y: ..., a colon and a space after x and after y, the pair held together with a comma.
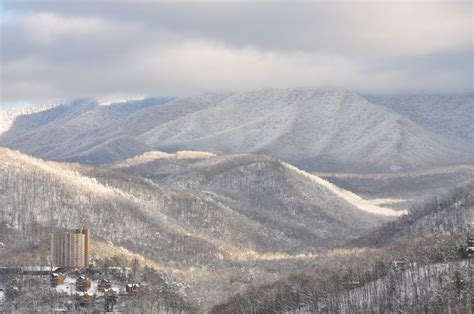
x: 52, y: 49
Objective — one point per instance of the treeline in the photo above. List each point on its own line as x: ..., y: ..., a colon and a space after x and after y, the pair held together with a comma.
x: 423, y: 275
x: 420, y: 267
x: 446, y: 214
x: 36, y: 200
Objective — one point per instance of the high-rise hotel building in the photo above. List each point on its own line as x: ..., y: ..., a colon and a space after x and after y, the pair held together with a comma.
x: 71, y: 249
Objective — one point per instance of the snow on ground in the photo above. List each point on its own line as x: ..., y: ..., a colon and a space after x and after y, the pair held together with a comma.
x: 356, y: 200
x: 69, y: 287
x: 303, y: 127
x: 154, y: 155
x: 7, y: 117
x: 83, y: 183
x: 117, y: 100
x: 142, y: 159
x: 386, y: 201
x: 404, y: 174
x: 36, y: 268
x: 315, y: 129
x: 185, y: 154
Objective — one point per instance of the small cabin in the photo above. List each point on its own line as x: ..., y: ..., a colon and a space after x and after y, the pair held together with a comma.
x: 132, y: 289
x: 110, y: 294
x: 56, y: 279
x: 83, y: 283
x: 86, y: 299
x: 104, y: 284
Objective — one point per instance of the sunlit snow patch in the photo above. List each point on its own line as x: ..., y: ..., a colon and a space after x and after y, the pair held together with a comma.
x: 350, y: 197
x: 7, y: 117
x: 117, y: 100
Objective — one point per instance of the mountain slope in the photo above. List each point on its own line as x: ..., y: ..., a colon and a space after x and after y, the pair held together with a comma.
x: 451, y: 213
x: 187, y: 170
x: 333, y: 129
x: 324, y: 129
x: 82, y: 129
x: 265, y: 190
x: 448, y: 115
x: 54, y: 195
x: 169, y: 223
x: 7, y: 117
x: 420, y: 265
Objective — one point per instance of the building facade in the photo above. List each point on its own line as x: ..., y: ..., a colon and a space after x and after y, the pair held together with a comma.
x: 71, y: 249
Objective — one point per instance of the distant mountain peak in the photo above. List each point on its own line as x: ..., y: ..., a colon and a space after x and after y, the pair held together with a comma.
x: 117, y: 100
x: 315, y: 129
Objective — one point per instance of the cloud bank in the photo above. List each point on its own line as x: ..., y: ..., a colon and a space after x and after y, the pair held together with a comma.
x: 58, y: 49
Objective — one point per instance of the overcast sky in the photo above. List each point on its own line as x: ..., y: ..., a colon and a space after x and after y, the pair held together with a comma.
x: 66, y: 49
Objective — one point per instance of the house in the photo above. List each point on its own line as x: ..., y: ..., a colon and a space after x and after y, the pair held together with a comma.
x: 56, y: 279
x: 132, y: 289
x: 104, y: 284
x: 86, y: 299
x: 83, y: 283
x: 110, y: 294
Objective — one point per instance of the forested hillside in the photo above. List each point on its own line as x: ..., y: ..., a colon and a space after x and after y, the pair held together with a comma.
x: 242, y: 201
x: 322, y: 129
x: 450, y: 213
x: 421, y: 265
x: 447, y: 115
x: 388, y: 286
x: 245, y: 231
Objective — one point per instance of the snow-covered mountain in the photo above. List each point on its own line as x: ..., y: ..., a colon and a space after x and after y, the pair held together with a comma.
x: 203, y: 216
x: 235, y: 207
x: 7, y: 117
x: 323, y: 129
x: 328, y: 128
x: 448, y: 213
x: 83, y: 129
x: 188, y: 170
x: 448, y: 115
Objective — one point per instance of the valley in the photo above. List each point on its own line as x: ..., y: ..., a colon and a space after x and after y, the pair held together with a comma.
x: 236, y: 157
x: 243, y: 202
x: 214, y: 223
x: 402, y: 189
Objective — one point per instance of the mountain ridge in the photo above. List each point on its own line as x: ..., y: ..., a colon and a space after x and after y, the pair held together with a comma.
x: 317, y: 130
x: 297, y: 215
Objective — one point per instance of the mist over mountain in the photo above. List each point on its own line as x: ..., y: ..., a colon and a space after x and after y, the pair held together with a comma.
x: 447, y: 115
x: 204, y: 187
x: 76, y: 128
x: 236, y: 157
x: 323, y: 129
